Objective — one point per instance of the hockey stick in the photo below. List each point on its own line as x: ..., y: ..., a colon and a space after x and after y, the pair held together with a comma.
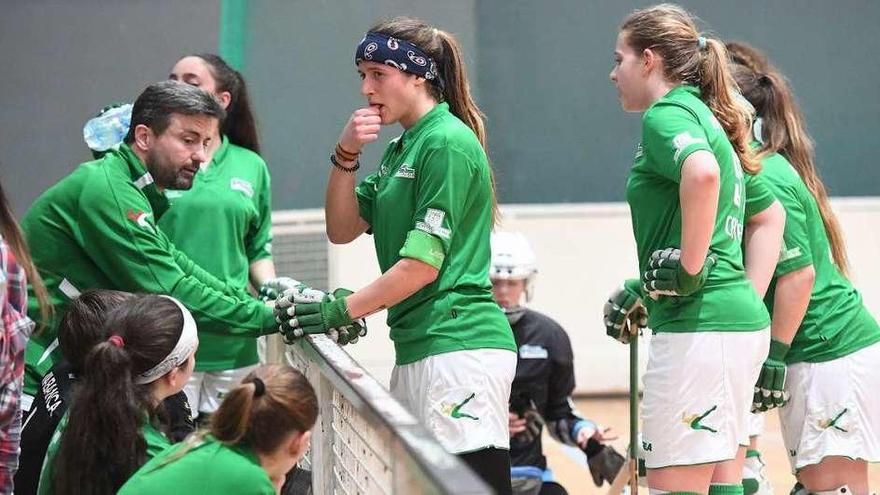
x: 629, y: 475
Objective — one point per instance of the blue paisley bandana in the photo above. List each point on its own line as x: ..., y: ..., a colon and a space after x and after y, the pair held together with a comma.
x: 398, y: 53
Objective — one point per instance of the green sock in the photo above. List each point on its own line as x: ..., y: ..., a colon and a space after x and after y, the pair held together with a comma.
x: 720, y: 489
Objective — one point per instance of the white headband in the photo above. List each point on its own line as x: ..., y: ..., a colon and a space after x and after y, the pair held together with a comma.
x: 185, y: 346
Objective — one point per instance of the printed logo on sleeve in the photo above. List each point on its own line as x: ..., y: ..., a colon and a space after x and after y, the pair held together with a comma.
x: 140, y: 218
x: 682, y: 141
x: 786, y: 254
x: 433, y: 223
x: 639, y: 151
x: 242, y: 185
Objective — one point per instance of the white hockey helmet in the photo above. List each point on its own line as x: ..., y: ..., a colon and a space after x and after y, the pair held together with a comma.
x: 513, y: 259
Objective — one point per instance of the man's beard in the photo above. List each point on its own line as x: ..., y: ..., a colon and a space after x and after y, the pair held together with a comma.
x: 166, y: 175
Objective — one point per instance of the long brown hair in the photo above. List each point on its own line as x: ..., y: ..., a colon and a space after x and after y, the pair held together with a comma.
x: 240, y: 126
x: 454, y: 89
x: 286, y: 404
x: 103, y: 444
x: 670, y: 31
x: 11, y: 232
x: 784, y: 131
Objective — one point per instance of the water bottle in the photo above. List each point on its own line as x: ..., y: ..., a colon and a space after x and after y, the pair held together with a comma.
x: 108, y: 129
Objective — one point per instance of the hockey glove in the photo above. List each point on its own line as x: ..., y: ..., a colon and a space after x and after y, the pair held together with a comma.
x: 272, y: 288
x: 770, y: 389
x: 605, y: 464
x: 667, y: 277
x: 625, y: 304
x: 298, y: 315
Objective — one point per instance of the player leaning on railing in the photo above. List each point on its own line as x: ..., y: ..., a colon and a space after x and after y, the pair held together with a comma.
x: 430, y: 207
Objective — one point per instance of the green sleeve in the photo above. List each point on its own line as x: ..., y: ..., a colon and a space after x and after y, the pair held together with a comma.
x: 366, y: 195
x: 122, y: 239
x: 796, y: 252
x: 444, y: 179
x: 759, y: 197
x: 259, y: 239
x: 670, y: 133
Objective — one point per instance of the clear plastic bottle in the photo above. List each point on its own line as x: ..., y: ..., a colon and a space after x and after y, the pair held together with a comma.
x: 108, y: 129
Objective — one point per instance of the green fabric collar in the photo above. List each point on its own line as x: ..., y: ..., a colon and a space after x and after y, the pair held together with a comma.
x: 143, y: 180
x: 436, y: 113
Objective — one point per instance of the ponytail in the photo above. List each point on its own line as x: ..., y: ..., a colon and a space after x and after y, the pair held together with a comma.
x: 105, y: 418
x: 103, y: 445
x: 689, y: 58
x: 718, y: 90
x: 453, y: 86
x: 240, y: 126
x: 783, y: 131
x: 271, y: 402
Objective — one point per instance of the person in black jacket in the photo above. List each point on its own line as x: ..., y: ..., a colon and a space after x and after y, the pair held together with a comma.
x: 541, y: 391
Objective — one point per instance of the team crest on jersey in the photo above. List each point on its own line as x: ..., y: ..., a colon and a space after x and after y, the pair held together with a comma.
x: 433, y: 223
x: 242, y: 185
x: 140, y: 218
x: 406, y: 171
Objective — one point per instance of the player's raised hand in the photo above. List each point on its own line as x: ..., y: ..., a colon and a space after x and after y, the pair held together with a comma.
x: 362, y: 128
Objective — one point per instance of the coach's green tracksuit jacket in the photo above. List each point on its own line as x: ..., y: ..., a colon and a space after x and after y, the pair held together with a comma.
x: 96, y: 228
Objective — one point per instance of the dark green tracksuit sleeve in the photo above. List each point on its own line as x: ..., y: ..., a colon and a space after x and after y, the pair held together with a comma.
x: 121, y: 237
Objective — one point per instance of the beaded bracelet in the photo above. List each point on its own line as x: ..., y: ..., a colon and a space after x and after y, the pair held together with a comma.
x: 348, y: 170
x: 345, y: 154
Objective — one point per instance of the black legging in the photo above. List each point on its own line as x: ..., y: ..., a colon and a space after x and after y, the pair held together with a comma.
x: 493, y: 466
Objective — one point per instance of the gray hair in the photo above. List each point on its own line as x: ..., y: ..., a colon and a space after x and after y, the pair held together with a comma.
x: 154, y: 106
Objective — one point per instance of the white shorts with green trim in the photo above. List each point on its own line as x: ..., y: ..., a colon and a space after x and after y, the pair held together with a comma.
x: 698, y: 394
x: 461, y: 397
x: 756, y: 424
x: 834, y: 409
x: 205, y: 389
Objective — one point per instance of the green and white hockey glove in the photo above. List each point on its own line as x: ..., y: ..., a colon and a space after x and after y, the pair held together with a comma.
x: 299, y: 314
x: 667, y: 277
x: 272, y: 288
x: 770, y: 389
x: 624, y: 312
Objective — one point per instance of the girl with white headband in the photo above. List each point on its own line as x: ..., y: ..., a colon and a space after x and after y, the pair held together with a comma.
x: 114, y: 423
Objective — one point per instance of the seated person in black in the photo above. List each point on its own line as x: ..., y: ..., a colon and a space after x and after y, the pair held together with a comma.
x: 80, y: 329
x: 541, y: 391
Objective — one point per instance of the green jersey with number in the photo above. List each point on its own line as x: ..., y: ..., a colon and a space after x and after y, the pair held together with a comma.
x: 207, y: 467
x: 156, y: 443
x: 224, y: 223
x: 674, y: 127
x: 836, y: 322
x: 431, y: 200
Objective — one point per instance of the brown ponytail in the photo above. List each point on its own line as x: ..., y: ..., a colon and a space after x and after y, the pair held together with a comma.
x: 262, y: 420
x: 688, y: 58
x: 453, y: 87
x: 784, y: 131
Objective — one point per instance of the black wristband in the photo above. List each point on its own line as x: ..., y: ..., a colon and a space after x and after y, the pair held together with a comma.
x: 349, y: 170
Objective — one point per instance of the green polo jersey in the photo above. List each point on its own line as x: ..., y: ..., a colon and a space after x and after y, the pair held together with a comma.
x: 836, y: 322
x: 431, y: 200
x: 156, y: 443
x: 224, y: 223
x: 209, y: 467
x: 96, y: 229
x: 675, y: 126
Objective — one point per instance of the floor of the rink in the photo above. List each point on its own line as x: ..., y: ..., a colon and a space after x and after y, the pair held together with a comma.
x: 571, y: 472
